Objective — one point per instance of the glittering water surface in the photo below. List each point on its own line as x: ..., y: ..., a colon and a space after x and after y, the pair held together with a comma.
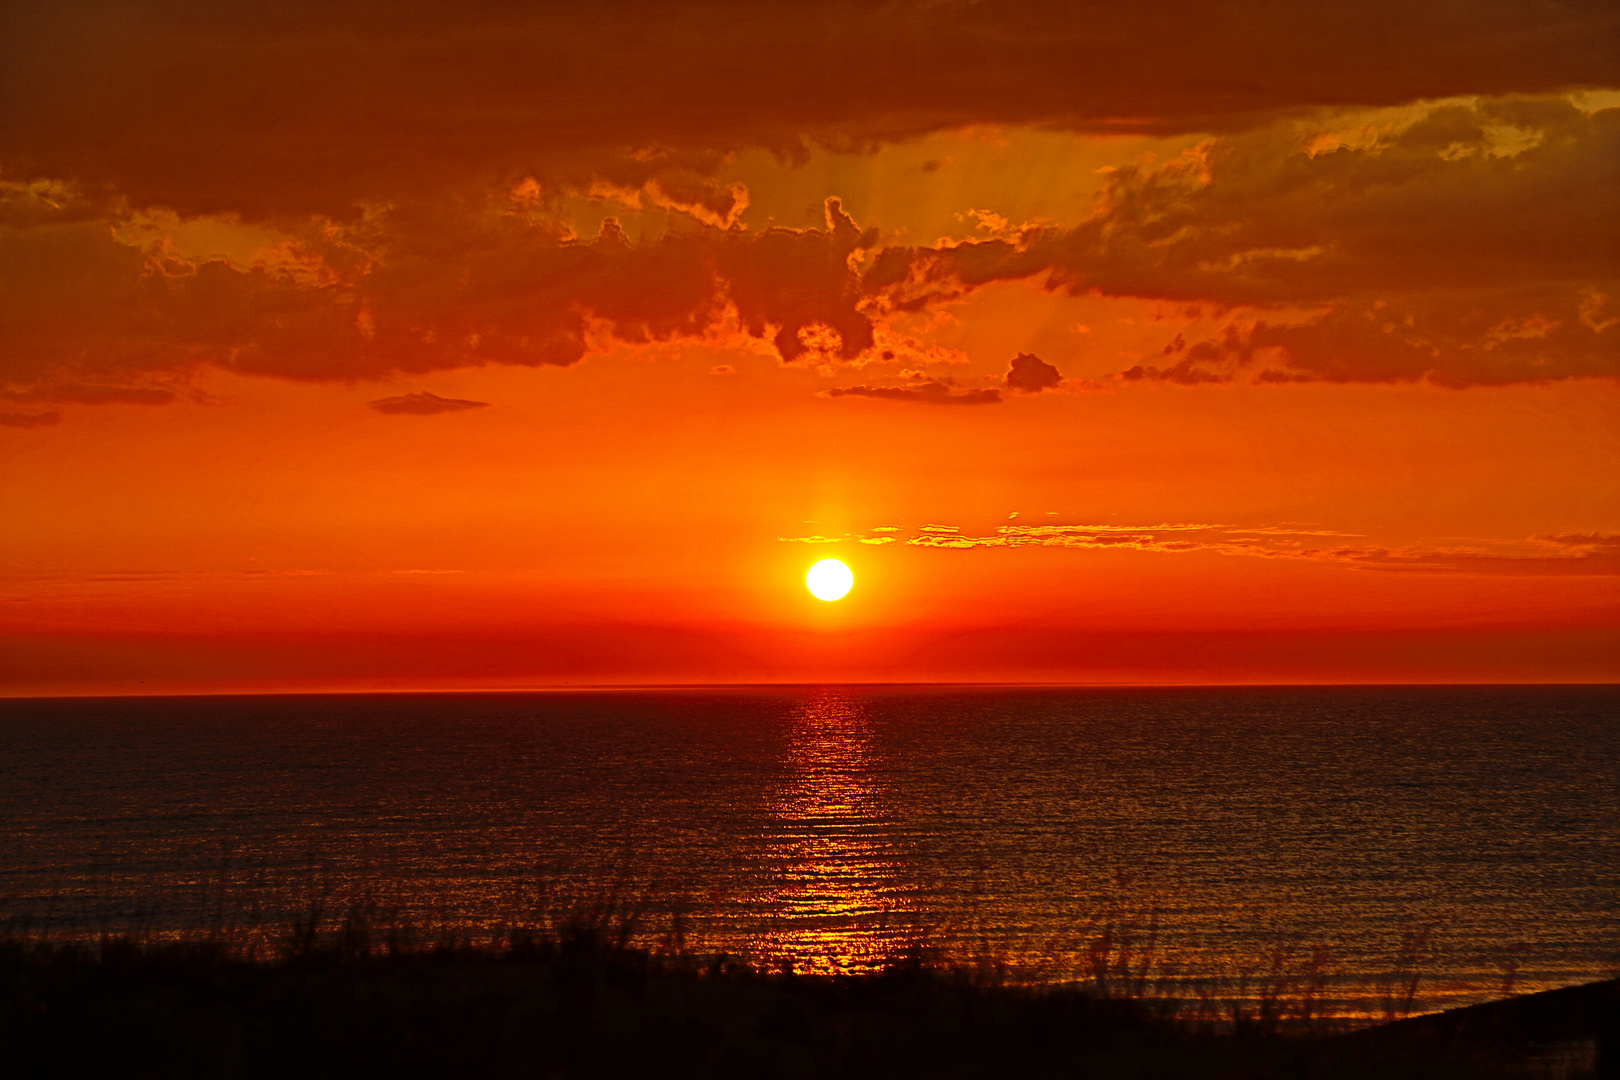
x: 1067, y: 833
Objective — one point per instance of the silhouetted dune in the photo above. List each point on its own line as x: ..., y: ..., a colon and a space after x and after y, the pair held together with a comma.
x: 581, y: 1004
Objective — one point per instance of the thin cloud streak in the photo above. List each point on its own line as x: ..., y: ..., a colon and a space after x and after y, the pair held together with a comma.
x: 1574, y: 554
x: 424, y: 403
x: 928, y: 393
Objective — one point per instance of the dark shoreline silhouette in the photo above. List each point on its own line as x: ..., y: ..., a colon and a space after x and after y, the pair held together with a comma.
x: 583, y: 1001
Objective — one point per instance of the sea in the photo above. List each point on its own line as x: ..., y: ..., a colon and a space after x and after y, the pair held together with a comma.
x: 1382, y: 848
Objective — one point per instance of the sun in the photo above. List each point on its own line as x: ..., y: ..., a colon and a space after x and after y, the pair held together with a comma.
x: 829, y: 579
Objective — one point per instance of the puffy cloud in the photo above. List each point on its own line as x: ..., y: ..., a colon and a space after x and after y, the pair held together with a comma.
x: 424, y: 403
x: 927, y: 393
x: 1029, y: 374
x: 799, y: 279
x: 1478, y: 243
x: 405, y: 290
x: 1465, y: 243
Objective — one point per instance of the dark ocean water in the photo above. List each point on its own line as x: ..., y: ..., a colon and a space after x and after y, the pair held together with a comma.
x: 1229, y: 831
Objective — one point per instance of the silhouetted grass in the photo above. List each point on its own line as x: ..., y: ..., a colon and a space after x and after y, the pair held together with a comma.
x: 595, y: 988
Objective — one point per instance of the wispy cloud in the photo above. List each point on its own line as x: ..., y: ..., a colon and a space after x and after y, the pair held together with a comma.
x: 28, y: 420
x: 1541, y: 555
x: 89, y: 394
x: 928, y: 393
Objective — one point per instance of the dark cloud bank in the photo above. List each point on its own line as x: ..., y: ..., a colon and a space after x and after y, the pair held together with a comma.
x: 408, y: 155
x: 306, y: 107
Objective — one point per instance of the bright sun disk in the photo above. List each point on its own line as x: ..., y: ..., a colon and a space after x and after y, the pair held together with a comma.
x: 829, y: 579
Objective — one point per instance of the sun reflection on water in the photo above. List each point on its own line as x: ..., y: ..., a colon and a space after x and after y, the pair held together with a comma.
x: 840, y: 905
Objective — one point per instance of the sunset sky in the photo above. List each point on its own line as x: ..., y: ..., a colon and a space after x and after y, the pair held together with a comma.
x: 422, y: 345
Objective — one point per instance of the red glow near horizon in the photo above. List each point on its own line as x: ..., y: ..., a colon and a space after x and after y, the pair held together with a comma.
x: 1315, y: 386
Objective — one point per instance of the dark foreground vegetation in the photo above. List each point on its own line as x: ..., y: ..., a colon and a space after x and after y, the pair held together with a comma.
x: 582, y: 1003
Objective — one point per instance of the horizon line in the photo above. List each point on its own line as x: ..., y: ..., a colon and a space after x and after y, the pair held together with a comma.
x: 596, y: 688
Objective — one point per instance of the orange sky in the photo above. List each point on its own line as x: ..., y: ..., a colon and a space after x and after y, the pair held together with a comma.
x: 413, y: 347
